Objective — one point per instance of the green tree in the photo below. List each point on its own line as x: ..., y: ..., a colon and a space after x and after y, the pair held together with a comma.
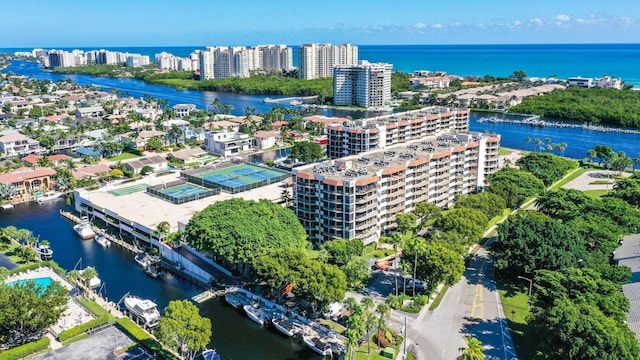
x: 27, y: 310
x: 341, y: 251
x: 238, y: 230
x: 88, y: 273
x: 163, y: 229
x: 462, y: 225
x: 547, y: 167
x: 426, y: 211
x: 306, y: 151
x: 472, y: 350
x: 184, y: 329
x: 7, y: 191
x: 356, y: 329
x: 357, y: 272
x: 514, y: 185
x: 434, y: 261
x: 406, y: 222
x: 488, y: 203
x: 146, y: 170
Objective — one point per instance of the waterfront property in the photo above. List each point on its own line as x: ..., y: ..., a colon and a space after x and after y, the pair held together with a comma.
x: 27, y: 182
x: 132, y: 210
x: 179, y: 192
x: 365, y: 84
x: 359, y: 196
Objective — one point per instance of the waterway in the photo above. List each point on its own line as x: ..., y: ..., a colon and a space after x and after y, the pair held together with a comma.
x: 234, y: 335
x: 138, y: 89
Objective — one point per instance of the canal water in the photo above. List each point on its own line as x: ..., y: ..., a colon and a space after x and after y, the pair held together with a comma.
x: 234, y: 335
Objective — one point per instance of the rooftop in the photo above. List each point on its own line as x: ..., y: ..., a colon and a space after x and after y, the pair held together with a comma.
x: 25, y: 174
x: 149, y: 211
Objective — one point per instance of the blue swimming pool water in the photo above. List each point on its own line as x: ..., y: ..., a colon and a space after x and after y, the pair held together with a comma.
x: 43, y: 283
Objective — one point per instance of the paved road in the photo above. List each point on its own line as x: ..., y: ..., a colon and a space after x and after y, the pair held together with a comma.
x: 470, y: 308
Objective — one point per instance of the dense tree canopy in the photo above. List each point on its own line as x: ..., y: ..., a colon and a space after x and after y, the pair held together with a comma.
x: 488, y: 203
x: 306, y: 151
x: 27, y: 310
x: 628, y: 190
x: 514, y: 185
x: 313, y: 280
x: 596, y: 105
x: 435, y: 261
x: 341, y: 251
x: 462, y: 226
x: 530, y: 241
x: 547, y: 167
x: 238, y: 230
x: 183, y: 329
x: 582, y: 316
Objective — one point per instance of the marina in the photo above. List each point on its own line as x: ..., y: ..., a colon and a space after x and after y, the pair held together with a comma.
x: 83, y: 229
x: 536, y: 121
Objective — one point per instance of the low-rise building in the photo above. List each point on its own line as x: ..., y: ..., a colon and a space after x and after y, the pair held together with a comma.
x: 586, y: 83
x: 27, y: 181
x: 227, y: 144
x: 91, y: 112
x: 182, y: 110
x: 156, y: 162
x: 359, y: 196
x: 17, y: 144
x: 187, y: 156
x: 608, y: 82
x: 266, y: 139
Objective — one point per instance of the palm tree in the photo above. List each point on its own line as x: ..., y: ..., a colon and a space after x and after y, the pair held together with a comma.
x: 285, y: 196
x: 562, y: 147
x: 538, y: 142
x: 527, y: 140
x: 88, y: 273
x: 592, y: 154
x: 369, y: 320
x: 7, y: 191
x: 473, y: 350
x: 44, y: 162
x: 70, y: 164
x: 163, y: 229
x: 636, y: 161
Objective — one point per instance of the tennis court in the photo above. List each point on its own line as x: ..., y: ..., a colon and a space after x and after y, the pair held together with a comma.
x: 179, y: 192
x: 128, y: 190
x: 235, y: 178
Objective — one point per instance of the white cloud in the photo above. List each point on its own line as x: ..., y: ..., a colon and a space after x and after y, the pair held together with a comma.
x: 517, y: 23
x: 437, y: 26
x: 562, y: 17
x: 420, y: 25
x: 536, y: 21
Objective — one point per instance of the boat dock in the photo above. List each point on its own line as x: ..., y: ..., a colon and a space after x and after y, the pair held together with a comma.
x: 206, y: 295
x: 100, y: 231
x: 536, y: 121
x: 301, y: 99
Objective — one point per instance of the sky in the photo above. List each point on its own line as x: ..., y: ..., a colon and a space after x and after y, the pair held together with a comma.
x: 72, y: 23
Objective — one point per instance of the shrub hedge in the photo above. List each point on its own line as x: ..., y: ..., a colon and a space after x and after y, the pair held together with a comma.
x: 144, y: 339
x: 22, y: 351
x: 75, y: 331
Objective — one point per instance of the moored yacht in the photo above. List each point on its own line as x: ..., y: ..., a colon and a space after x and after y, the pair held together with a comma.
x: 84, y: 230
x: 256, y: 314
x: 48, y: 196
x: 45, y: 252
x: 317, y: 345
x: 143, y: 309
x: 286, y: 326
x: 103, y: 241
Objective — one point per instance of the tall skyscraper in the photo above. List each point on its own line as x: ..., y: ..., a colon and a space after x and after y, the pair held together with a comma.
x: 365, y: 84
x: 317, y: 61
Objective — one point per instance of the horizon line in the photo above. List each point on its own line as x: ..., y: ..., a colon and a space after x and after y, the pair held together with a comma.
x: 336, y: 43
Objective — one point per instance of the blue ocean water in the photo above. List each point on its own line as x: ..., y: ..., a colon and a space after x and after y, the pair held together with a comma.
x: 540, y: 60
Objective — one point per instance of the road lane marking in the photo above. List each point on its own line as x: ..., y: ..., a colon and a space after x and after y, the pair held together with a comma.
x: 478, y: 300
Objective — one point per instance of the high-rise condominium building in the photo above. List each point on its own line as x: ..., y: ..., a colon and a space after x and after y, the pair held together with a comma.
x: 239, y: 61
x: 356, y: 136
x: 359, y: 196
x: 365, y: 84
x: 317, y: 61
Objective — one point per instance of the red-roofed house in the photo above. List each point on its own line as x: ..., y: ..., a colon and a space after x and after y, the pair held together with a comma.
x: 55, y: 159
x: 27, y: 181
x: 92, y: 171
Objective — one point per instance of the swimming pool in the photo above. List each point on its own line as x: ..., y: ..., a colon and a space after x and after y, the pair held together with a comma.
x: 43, y: 283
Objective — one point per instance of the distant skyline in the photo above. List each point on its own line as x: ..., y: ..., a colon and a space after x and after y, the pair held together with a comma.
x: 72, y: 23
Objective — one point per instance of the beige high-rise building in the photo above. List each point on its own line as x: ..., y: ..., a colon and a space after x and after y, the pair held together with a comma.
x: 317, y: 61
x: 365, y: 84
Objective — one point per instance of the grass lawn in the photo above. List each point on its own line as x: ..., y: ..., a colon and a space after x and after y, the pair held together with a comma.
x: 567, y: 179
x: 596, y: 193
x: 504, y: 151
x: 516, y: 309
x: 376, y: 352
x: 497, y: 218
x: 123, y: 156
x: 601, y: 182
x: 438, y: 298
x: 333, y: 326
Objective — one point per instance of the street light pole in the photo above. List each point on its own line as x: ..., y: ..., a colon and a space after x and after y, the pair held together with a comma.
x: 530, y: 283
x: 406, y: 338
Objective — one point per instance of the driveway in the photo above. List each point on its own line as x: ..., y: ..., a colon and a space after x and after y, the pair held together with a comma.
x: 584, y: 181
x: 98, y: 346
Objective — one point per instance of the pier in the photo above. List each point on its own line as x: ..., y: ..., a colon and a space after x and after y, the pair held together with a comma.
x: 536, y: 121
x: 301, y: 99
x: 98, y: 230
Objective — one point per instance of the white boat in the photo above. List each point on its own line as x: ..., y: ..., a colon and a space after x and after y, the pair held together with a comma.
x: 286, y: 326
x: 45, y: 252
x: 103, y: 241
x: 93, y: 283
x: 145, y: 310
x: 142, y: 259
x: 7, y: 206
x: 48, y: 196
x: 154, y: 269
x: 317, y: 345
x: 210, y: 354
x: 256, y: 314
x: 84, y: 229
x: 237, y: 297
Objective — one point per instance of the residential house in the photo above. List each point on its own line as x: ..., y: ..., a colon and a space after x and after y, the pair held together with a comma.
x: 226, y: 144
x: 182, y: 110
x: 296, y: 135
x: 580, y: 82
x: 57, y: 160
x: 187, y: 156
x: 18, y: 106
x: 16, y: 144
x: 91, y: 171
x: 26, y: 181
x: 266, y: 139
x: 223, y: 125
x: 140, y: 141
x: 91, y: 111
x: 156, y: 162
